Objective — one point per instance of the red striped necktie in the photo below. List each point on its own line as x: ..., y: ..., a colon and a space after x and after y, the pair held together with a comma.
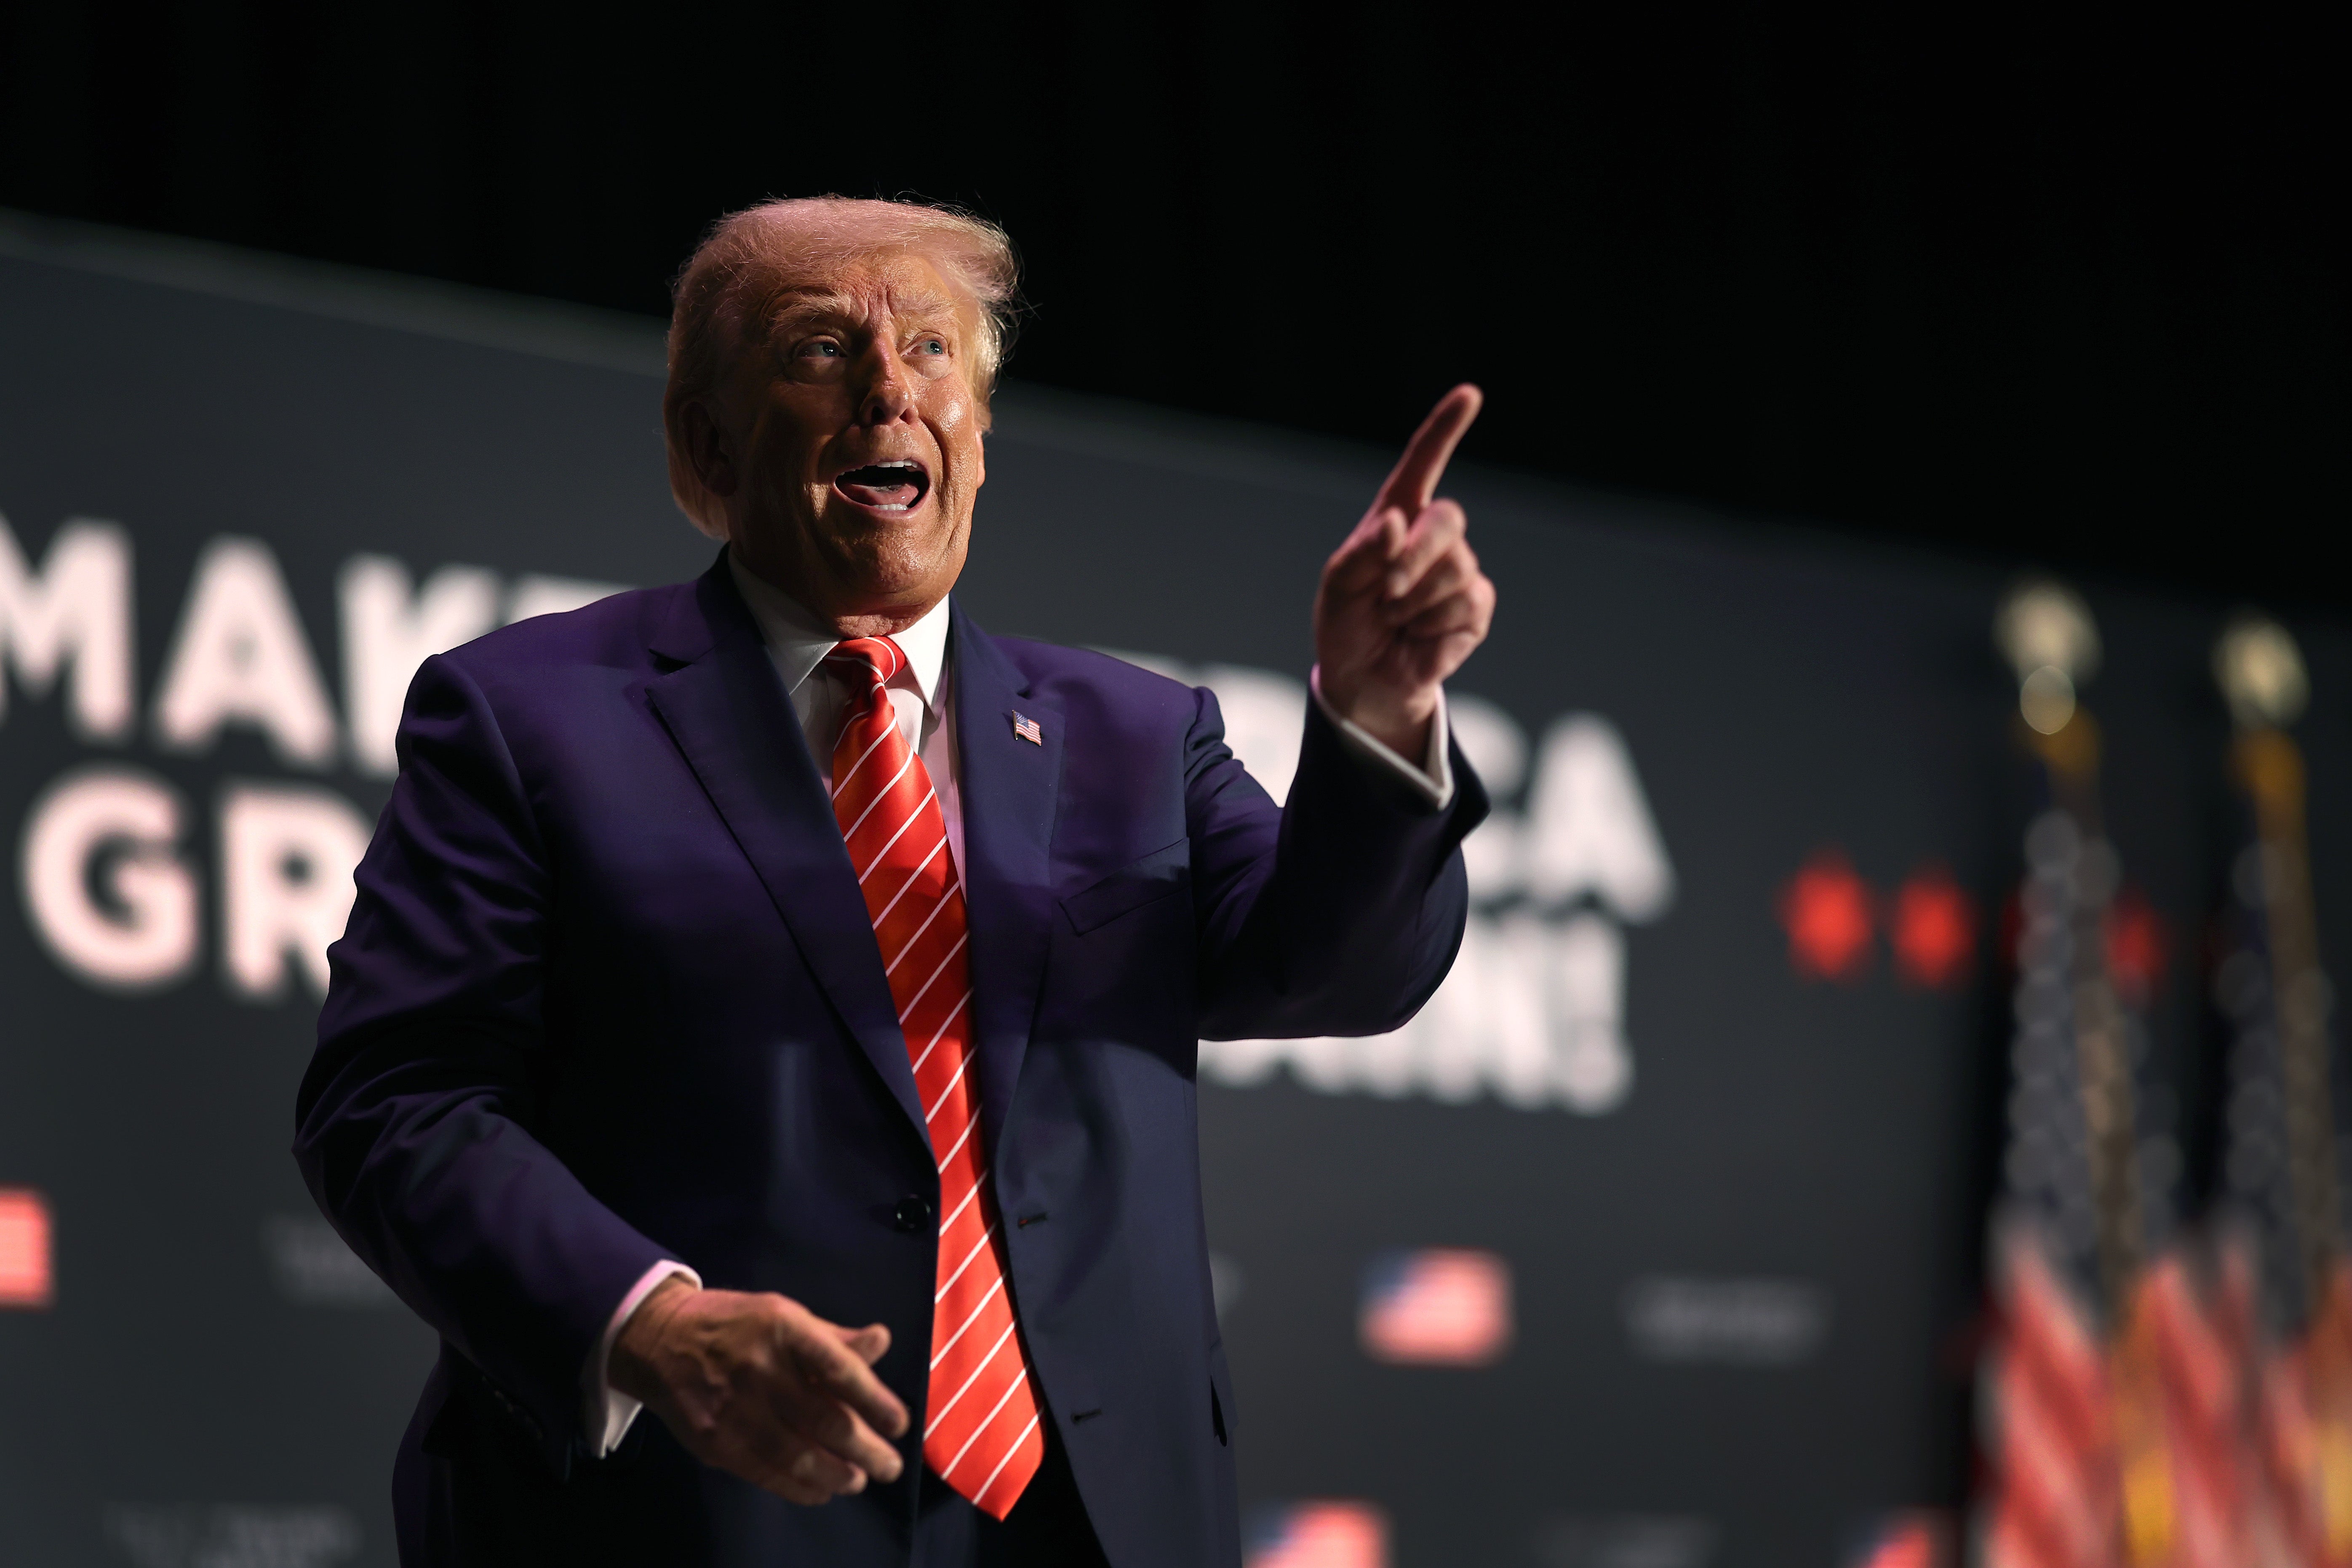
x: 981, y: 1427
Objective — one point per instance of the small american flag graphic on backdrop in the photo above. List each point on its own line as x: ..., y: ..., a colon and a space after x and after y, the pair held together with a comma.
x: 1911, y: 1540
x: 1440, y: 1306
x: 1317, y: 1535
x: 24, y: 1276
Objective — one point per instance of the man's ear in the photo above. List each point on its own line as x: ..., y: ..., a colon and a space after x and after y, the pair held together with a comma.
x: 707, y: 449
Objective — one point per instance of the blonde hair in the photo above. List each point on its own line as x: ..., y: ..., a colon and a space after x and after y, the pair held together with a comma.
x: 723, y: 280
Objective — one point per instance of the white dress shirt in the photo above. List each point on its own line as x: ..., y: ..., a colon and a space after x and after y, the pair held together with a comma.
x: 797, y: 644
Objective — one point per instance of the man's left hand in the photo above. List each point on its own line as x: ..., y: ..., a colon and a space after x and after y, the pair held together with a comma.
x: 1403, y: 601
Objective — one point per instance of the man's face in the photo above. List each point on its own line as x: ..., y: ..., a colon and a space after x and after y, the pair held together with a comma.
x: 844, y: 440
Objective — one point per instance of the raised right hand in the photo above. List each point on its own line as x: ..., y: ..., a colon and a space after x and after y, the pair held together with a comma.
x: 761, y: 1387
x: 1403, y: 601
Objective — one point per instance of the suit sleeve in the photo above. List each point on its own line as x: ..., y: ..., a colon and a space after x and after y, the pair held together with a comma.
x: 1338, y: 913
x: 412, y: 1124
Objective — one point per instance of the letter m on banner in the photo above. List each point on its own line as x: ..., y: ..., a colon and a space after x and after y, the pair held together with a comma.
x: 72, y: 617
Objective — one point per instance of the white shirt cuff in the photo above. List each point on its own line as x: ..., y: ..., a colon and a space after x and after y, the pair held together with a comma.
x: 606, y: 1412
x: 1432, y: 780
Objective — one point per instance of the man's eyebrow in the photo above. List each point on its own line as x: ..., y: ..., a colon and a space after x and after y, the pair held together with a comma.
x: 794, y: 302
x: 923, y: 303
x: 801, y: 302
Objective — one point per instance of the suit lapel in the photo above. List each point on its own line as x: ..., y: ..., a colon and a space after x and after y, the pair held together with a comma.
x: 1009, y: 789
x: 728, y: 715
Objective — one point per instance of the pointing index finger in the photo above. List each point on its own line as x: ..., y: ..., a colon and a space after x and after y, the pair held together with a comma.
x: 1414, y: 480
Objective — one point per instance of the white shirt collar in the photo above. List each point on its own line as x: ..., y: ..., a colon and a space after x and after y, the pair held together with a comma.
x: 798, y: 641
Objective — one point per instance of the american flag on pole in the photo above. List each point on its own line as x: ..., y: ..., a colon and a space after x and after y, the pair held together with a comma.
x: 2049, y: 1442
x: 2110, y: 1387
x: 2282, y: 1197
x: 1317, y: 1535
x: 1438, y: 1307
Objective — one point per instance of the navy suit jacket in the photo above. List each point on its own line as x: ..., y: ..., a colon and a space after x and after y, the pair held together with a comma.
x: 609, y: 994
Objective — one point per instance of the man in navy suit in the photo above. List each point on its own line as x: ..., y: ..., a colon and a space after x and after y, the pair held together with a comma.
x: 741, y: 960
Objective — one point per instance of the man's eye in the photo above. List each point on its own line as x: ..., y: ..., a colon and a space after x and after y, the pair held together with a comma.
x: 820, y: 348
x: 931, y: 346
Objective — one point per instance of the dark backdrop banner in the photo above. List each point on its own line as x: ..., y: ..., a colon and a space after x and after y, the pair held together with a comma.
x: 1651, y: 1244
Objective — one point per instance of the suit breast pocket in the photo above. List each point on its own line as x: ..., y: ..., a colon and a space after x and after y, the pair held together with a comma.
x: 1123, y: 955
x: 1164, y: 873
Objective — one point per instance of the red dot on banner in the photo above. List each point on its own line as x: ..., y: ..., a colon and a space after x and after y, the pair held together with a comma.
x: 2136, y: 948
x: 26, y: 1279
x: 1934, y: 929
x: 1827, y: 912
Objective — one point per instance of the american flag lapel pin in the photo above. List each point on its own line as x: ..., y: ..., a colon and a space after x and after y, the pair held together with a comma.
x: 1027, y: 729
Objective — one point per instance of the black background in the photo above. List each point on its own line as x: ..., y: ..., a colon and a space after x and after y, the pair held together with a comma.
x: 2061, y: 282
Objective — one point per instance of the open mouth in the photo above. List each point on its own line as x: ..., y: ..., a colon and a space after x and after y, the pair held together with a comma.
x: 898, y: 486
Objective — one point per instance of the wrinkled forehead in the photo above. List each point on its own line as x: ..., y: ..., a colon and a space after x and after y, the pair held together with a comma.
x: 864, y: 290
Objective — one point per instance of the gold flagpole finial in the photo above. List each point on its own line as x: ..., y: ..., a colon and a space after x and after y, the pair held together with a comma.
x: 2046, y: 632
x: 2260, y: 673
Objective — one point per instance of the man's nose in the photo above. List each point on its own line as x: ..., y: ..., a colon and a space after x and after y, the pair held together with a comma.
x: 886, y: 395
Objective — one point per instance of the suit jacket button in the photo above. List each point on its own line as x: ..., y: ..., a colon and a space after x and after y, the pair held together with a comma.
x: 911, y: 1214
